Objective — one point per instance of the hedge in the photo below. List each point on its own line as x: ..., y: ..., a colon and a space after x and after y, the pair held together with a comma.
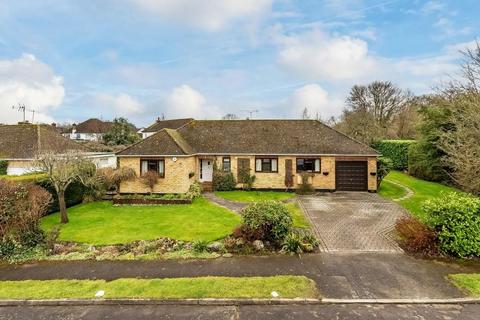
x: 395, y: 150
x: 3, y: 167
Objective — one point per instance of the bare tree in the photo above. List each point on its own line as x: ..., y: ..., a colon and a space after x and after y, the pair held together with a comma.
x: 230, y: 116
x: 305, y: 114
x: 62, y: 170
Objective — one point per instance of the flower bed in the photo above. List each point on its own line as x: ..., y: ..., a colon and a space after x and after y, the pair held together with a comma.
x: 152, y: 199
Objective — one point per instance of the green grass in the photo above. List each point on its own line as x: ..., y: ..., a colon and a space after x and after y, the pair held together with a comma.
x: 175, y: 288
x: 253, y: 196
x: 101, y: 223
x: 467, y: 282
x: 299, y: 220
x: 391, y: 191
x: 423, y: 190
x: 24, y: 177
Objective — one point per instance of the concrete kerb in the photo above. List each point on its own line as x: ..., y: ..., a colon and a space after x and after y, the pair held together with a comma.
x: 232, y: 302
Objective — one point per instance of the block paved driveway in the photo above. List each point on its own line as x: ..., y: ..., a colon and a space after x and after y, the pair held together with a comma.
x: 352, y: 221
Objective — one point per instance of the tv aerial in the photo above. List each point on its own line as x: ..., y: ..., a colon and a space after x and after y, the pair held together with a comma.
x: 24, y: 110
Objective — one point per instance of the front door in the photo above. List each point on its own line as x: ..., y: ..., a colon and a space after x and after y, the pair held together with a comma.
x: 206, y: 170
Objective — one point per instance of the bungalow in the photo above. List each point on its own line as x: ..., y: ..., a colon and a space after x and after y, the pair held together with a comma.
x: 273, y: 150
x: 19, y: 145
x: 89, y: 130
x: 164, y: 124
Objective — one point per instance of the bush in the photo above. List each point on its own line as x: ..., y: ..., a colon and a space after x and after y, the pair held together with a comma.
x: 384, y: 165
x: 416, y: 237
x: 456, y: 218
x: 73, y: 195
x: 150, y: 179
x: 299, y: 241
x: 305, y: 187
x: 268, y: 220
x: 3, y: 167
x: 200, y: 246
x: 425, y: 162
x: 195, y: 190
x: 396, y: 151
x: 247, y: 180
x: 223, y: 181
x: 21, y: 207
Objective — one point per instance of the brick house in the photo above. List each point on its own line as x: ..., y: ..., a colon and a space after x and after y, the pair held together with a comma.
x: 89, y: 130
x: 270, y: 149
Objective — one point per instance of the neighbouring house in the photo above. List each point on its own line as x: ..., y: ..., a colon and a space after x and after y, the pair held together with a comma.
x: 89, y: 130
x: 164, y: 124
x: 272, y: 150
x: 20, y: 144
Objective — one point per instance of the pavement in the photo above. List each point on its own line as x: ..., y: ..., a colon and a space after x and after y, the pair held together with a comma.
x: 353, y: 221
x: 366, y: 311
x: 341, y: 276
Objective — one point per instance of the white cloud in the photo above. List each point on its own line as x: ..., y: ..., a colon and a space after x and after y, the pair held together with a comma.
x: 316, y: 100
x: 315, y: 55
x: 31, y: 82
x: 122, y: 104
x: 211, y: 15
x: 184, y: 101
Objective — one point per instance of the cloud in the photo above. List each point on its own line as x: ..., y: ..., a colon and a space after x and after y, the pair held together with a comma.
x: 31, y: 82
x: 317, y: 100
x: 122, y: 104
x: 211, y: 15
x: 184, y: 101
x: 315, y: 55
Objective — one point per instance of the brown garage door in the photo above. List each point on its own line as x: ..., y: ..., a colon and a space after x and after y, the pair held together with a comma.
x: 351, y: 175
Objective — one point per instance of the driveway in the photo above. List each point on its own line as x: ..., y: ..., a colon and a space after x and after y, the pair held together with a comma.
x: 352, y: 221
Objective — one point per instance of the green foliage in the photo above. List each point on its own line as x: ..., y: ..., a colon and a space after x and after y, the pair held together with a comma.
x: 3, y: 167
x: 305, y: 187
x: 456, y: 218
x: 425, y: 162
x: 246, y: 179
x: 122, y: 132
x: 396, y: 151
x: 195, y: 190
x: 223, y: 181
x: 271, y: 220
x: 200, y: 246
x: 299, y: 241
x: 73, y: 195
x: 384, y: 165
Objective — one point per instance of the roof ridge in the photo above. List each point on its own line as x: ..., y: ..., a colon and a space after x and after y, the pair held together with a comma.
x: 140, y: 141
x: 183, y: 145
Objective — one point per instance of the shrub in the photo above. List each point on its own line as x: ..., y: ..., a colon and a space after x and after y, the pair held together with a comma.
x: 200, y: 246
x: 150, y: 179
x: 416, y: 237
x: 384, y: 165
x: 21, y: 207
x: 195, y: 190
x: 396, y: 150
x: 425, y: 162
x: 305, y: 187
x: 3, y: 167
x: 246, y: 179
x: 269, y: 220
x: 223, y: 181
x: 73, y: 195
x: 456, y: 218
x: 299, y: 241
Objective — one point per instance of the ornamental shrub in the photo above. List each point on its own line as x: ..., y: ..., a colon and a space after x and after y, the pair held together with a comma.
x: 3, y: 167
x: 223, y: 181
x: 416, y: 237
x: 395, y: 150
x: 456, y: 218
x: 384, y: 165
x: 269, y: 220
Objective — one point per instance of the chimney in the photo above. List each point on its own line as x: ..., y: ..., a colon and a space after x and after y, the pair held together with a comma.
x: 158, y: 119
x: 54, y: 124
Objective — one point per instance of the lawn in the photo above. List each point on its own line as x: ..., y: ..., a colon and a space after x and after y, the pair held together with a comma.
x: 299, y: 220
x: 101, y: 223
x: 467, y: 282
x: 423, y: 190
x: 254, y: 196
x: 24, y: 177
x: 174, y: 288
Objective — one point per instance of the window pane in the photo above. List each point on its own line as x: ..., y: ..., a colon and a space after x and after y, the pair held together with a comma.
x: 144, y: 167
x: 161, y: 168
x: 258, y: 165
x: 226, y: 164
x: 274, y: 165
x: 299, y: 164
x: 317, y: 165
x: 266, y: 165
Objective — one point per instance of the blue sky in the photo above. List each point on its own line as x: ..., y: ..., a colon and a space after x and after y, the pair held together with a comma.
x: 71, y: 60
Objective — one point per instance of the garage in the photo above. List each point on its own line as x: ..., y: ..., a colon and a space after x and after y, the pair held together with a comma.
x: 351, y: 175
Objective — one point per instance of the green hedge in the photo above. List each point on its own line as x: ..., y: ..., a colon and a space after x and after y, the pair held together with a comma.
x: 3, y: 167
x: 73, y: 195
x: 395, y: 150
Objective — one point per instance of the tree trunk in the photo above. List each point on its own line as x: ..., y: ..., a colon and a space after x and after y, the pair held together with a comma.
x: 63, y: 207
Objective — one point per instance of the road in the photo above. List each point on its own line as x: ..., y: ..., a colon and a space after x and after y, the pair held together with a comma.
x: 468, y: 311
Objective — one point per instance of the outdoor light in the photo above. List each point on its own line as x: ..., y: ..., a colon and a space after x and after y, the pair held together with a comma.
x: 373, y: 173
x: 325, y: 173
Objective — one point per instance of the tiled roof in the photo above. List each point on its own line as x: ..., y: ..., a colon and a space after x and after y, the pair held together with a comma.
x: 25, y: 141
x: 93, y: 126
x: 167, y: 124
x: 267, y: 137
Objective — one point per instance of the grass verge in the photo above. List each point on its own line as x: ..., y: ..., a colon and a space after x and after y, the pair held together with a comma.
x: 468, y: 282
x: 254, y: 196
x: 174, y: 288
x: 101, y: 223
x: 299, y: 220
